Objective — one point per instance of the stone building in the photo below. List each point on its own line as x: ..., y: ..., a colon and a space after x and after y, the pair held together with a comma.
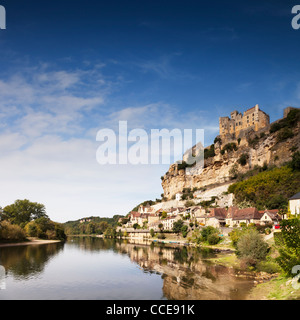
x: 253, y: 118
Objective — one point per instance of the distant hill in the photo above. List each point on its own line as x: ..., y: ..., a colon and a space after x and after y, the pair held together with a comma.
x: 91, y: 225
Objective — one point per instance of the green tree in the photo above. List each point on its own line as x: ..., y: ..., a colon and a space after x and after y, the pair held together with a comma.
x: 23, y: 211
x: 184, y: 230
x: 251, y: 247
x: 289, y: 247
x: 152, y: 233
x: 177, y: 226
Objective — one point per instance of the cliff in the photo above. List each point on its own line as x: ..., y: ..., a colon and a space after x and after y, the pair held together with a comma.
x: 271, y: 145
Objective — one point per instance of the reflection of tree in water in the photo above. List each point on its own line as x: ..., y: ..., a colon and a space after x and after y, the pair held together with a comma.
x: 186, y: 272
x: 26, y: 261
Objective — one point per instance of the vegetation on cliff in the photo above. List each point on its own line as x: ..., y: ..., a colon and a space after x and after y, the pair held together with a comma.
x: 269, y: 188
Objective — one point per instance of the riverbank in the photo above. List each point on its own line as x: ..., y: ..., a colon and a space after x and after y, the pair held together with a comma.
x: 28, y: 243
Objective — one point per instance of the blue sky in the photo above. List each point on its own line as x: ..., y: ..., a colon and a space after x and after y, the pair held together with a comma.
x: 71, y: 68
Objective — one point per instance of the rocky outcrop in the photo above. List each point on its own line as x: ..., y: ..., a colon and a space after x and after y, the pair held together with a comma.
x: 260, y: 147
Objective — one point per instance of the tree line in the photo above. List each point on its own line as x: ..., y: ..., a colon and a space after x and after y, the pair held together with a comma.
x: 24, y: 219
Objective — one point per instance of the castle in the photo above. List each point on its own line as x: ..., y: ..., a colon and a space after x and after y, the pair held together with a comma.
x: 253, y: 118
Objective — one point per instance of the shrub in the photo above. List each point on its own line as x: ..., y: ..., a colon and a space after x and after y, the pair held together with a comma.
x: 11, y: 232
x: 243, y: 159
x: 207, y: 231
x: 268, y: 266
x: 213, y: 239
x: 161, y: 236
x: 284, y: 134
x: 229, y: 147
x: 251, y: 246
x: 184, y: 230
x: 289, y: 245
x: 295, y: 163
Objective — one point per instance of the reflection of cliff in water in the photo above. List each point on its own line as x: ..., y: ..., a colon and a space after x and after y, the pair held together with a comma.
x: 186, y: 274
x: 24, y: 262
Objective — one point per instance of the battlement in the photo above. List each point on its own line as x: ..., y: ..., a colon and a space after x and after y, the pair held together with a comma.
x: 253, y: 118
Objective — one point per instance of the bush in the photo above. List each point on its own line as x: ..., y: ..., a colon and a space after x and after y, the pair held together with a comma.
x: 243, y: 159
x: 289, y: 245
x: 207, y: 231
x: 184, y: 230
x: 295, y: 163
x: 10, y: 232
x: 251, y: 246
x: 284, y: 134
x: 268, y: 266
x: 213, y: 239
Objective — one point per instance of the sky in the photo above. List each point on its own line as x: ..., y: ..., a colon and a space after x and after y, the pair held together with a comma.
x: 71, y: 68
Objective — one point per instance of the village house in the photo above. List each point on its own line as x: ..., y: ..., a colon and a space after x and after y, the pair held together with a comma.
x: 217, y: 217
x: 294, y: 204
x: 169, y: 222
x: 247, y: 216
x: 270, y: 217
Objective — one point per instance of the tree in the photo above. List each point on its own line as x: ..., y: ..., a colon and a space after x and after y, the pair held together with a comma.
x: 152, y: 233
x: 251, y: 247
x: 295, y: 163
x: 184, y: 230
x: 207, y: 231
x: 23, y: 211
x: 289, y: 248
x: 177, y: 226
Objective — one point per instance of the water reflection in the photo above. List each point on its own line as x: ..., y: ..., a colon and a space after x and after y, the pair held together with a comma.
x: 93, y: 268
x: 187, y: 272
x: 25, y: 262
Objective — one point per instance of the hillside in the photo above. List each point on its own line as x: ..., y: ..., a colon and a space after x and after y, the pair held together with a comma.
x: 91, y: 225
x: 271, y: 146
x: 270, y: 188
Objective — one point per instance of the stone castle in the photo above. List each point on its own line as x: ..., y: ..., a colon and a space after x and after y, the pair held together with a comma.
x: 239, y: 123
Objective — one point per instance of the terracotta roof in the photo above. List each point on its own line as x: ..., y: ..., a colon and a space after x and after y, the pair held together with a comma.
x: 231, y: 212
x: 218, y: 213
x: 247, y: 214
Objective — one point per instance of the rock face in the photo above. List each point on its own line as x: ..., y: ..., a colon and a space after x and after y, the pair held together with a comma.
x: 260, y: 148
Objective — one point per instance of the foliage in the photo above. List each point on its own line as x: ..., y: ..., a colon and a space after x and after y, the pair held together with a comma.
x: 269, y: 189
x: 184, y: 230
x: 97, y: 225
x: 295, y: 163
x: 10, y: 232
x: 268, y: 266
x: 210, y: 152
x: 229, y: 147
x: 243, y: 159
x: 289, y: 122
x: 207, y: 231
x: 218, y: 139
x: 251, y: 247
x: 152, y: 233
x: 44, y: 228
x: 23, y: 211
x: 289, y: 247
x: 177, y: 225
x: 284, y: 134
x: 213, y: 239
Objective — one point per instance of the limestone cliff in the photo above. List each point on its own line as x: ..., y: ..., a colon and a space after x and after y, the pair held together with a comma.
x: 257, y: 147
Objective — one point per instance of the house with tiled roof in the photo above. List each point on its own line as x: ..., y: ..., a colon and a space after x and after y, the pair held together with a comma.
x: 217, y: 217
x: 246, y: 215
x: 270, y: 217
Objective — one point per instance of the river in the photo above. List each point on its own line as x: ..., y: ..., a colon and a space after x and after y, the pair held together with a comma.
x: 90, y: 268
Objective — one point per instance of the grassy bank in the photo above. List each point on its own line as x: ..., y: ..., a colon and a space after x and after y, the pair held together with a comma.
x: 279, y: 288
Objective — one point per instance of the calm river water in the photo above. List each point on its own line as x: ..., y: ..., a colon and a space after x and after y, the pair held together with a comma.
x: 94, y: 268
